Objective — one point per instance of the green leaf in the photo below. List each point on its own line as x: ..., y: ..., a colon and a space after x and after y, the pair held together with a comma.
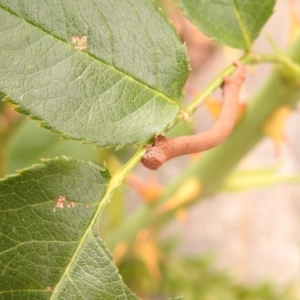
x: 235, y: 23
x: 30, y: 143
x: 107, y: 72
x: 50, y: 246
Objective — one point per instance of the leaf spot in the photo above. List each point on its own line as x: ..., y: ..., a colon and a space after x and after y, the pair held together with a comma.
x: 60, y: 201
x: 79, y: 42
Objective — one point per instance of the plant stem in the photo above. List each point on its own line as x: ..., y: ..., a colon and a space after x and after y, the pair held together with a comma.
x: 212, y: 86
x: 120, y: 174
x: 249, y: 58
x: 213, y: 166
x: 118, y: 177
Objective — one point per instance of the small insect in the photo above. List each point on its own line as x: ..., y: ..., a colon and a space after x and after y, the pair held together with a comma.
x: 164, y: 149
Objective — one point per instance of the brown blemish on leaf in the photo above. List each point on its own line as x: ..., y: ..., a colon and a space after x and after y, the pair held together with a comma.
x: 79, y: 42
x: 50, y: 289
x: 164, y: 149
x: 60, y: 201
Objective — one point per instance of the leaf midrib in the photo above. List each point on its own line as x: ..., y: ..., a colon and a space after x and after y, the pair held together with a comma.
x: 90, y: 56
x: 112, y: 184
x: 241, y: 23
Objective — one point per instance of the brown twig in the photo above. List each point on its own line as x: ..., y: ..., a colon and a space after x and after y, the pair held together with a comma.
x: 164, y: 149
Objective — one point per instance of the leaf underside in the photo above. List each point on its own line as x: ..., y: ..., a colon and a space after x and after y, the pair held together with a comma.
x: 106, y: 72
x: 235, y: 23
x: 50, y: 246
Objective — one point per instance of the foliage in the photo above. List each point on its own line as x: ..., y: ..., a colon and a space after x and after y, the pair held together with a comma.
x: 88, y: 93
x: 33, y: 239
x: 111, y: 73
x: 239, y: 22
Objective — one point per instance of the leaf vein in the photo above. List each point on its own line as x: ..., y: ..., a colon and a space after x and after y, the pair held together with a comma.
x: 112, y: 67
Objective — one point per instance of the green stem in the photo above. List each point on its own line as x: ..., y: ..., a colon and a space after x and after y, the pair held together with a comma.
x: 249, y: 58
x: 118, y: 177
x: 212, y: 168
x: 211, y: 87
x: 120, y: 174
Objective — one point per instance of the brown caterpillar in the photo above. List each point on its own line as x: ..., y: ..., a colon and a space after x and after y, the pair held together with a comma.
x: 164, y: 149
